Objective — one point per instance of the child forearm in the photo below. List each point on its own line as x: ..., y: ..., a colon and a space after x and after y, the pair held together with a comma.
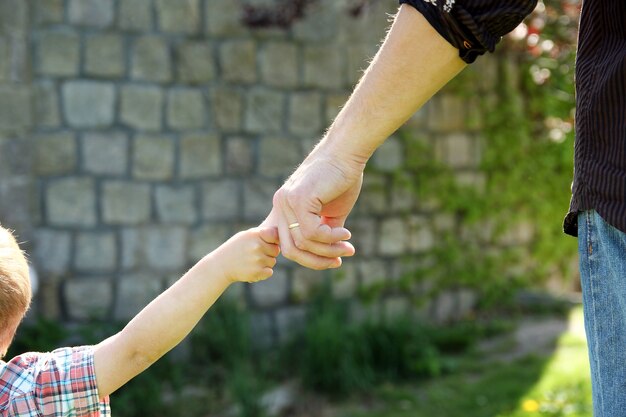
x: 159, y: 327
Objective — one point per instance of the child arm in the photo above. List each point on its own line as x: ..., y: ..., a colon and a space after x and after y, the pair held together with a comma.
x: 248, y: 256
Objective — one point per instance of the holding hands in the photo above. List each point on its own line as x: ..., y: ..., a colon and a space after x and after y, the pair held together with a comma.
x: 311, y: 208
x: 248, y: 256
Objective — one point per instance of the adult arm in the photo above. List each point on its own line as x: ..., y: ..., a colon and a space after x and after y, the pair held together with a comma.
x: 428, y: 44
x: 413, y: 63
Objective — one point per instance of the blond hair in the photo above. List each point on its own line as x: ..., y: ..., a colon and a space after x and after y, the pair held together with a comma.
x: 15, y: 294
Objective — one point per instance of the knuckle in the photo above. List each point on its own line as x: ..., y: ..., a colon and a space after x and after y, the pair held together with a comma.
x: 293, y: 199
x: 289, y: 253
x: 300, y: 243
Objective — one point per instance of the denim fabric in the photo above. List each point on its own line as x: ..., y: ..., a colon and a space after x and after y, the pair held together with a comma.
x: 602, y: 250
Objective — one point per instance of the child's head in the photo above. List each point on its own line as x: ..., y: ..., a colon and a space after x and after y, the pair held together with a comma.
x: 15, y: 292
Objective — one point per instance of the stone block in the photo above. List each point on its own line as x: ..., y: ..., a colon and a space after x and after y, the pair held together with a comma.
x: 131, y: 241
x: 95, y: 252
x: 369, y: 25
x: 265, y: 110
x: 186, y: 109
x: 104, y: 56
x: 279, y: 64
x: 458, y: 150
x: 89, y: 103
x: 421, y: 237
x: 48, y: 11
x: 257, y: 197
x: 52, y: 251
x: 227, y: 108
x: 221, y: 200
x: 305, y: 283
x: 134, y: 292
x: 153, y: 157
x: 135, y: 15
x: 47, y: 114
x: 205, y: 239
x: 105, y: 153
x: 393, y: 238
x: 94, y: 13
x: 358, y: 57
x: 5, y: 59
x: 71, y: 202
x: 403, y: 198
x: 200, y: 156
x: 58, y: 53
x: 223, y: 18
x: 176, y: 204
x: 262, y: 328
x: 125, y: 202
x: 15, y: 160
x: 271, y: 292
x: 365, y: 235
x: 151, y: 60
x: 305, y: 115
x: 55, y: 153
x: 178, y: 16
x: 443, y: 307
x: 390, y: 156
x: 324, y: 67
x: 321, y: 23
x: 373, y: 273
x: 334, y: 103
x: 141, y: 107
x: 472, y: 179
x: 290, y: 322
x: 165, y: 247
x: 446, y: 113
x: 278, y: 156
x: 16, y: 112
x: 89, y: 298
x: 374, y: 199
x: 238, y: 61
x: 13, y: 16
x: 344, y: 281
x: 396, y: 307
x: 195, y: 62
x: 239, y: 156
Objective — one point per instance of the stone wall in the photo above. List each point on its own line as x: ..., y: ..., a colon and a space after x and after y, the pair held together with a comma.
x: 137, y: 135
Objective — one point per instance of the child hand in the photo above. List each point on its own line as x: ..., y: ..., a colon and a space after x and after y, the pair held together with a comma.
x: 249, y: 256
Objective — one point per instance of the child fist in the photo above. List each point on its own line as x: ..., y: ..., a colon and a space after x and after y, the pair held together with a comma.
x: 249, y: 256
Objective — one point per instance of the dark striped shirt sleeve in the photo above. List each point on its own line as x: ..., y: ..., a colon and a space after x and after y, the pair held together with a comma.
x: 473, y: 26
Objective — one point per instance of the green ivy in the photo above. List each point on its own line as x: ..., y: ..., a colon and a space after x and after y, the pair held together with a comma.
x: 526, y: 138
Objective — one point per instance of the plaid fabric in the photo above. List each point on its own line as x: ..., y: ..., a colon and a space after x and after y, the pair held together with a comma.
x: 61, y: 383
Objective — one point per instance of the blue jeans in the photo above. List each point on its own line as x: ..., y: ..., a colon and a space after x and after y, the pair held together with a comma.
x: 602, y: 250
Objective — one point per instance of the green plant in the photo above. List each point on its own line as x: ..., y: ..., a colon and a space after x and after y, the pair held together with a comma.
x: 39, y: 335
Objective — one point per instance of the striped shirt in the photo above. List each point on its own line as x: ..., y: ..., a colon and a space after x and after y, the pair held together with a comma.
x: 61, y: 383
x: 476, y: 26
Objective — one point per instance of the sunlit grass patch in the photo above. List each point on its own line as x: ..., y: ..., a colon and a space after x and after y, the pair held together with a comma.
x: 535, y: 386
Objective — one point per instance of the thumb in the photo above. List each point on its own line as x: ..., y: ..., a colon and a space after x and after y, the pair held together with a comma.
x: 269, y: 235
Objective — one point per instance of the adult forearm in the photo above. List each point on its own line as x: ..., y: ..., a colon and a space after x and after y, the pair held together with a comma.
x: 413, y: 63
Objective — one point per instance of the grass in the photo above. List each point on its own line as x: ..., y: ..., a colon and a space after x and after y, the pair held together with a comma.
x: 556, y: 384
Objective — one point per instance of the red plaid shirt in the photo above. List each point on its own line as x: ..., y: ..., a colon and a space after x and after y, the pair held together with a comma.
x: 61, y: 383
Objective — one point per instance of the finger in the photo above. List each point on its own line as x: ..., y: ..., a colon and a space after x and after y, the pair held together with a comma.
x: 305, y: 259
x: 265, y: 274
x: 333, y: 250
x: 311, y: 226
x: 309, y: 241
x: 270, y: 249
x: 269, y: 261
x: 269, y: 234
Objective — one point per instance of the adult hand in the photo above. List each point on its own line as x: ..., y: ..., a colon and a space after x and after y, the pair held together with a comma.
x: 318, y: 197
